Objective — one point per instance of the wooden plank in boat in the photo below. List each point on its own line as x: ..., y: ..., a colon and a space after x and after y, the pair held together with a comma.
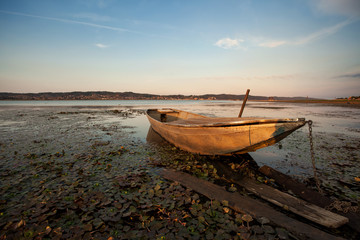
x: 166, y: 111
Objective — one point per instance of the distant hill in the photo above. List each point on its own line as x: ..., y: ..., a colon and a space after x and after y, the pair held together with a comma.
x: 103, y: 95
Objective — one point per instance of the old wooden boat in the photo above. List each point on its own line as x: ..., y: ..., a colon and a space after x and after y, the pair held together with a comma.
x: 219, y: 136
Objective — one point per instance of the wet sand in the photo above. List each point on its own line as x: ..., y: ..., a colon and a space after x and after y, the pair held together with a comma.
x: 82, y: 172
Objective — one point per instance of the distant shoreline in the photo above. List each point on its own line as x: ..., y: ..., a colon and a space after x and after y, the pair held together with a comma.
x: 332, y: 102
x: 104, y: 95
x: 354, y: 103
x: 111, y: 96
x: 335, y: 101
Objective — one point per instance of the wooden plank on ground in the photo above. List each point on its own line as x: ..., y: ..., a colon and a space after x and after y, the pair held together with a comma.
x: 309, y: 195
x: 297, y: 188
x: 244, y: 204
x: 300, y: 207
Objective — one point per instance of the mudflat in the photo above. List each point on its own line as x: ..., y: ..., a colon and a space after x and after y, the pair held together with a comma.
x: 82, y: 172
x: 79, y: 173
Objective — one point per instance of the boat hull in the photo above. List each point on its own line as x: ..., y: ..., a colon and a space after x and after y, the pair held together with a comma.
x: 226, y: 138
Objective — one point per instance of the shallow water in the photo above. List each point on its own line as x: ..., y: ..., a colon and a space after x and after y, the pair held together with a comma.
x: 327, y: 119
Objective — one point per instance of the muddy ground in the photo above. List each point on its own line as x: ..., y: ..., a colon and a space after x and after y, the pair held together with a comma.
x: 82, y: 172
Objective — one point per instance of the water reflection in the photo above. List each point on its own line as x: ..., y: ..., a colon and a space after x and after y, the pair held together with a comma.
x: 140, y: 126
x: 154, y: 138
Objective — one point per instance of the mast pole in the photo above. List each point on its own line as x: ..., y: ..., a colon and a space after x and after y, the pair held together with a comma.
x: 244, y: 102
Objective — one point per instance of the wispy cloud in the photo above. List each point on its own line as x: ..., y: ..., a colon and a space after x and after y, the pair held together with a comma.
x: 354, y: 75
x: 93, y: 17
x: 322, y: 33
x: 228, y: 43
x: 89, y: 24
x: 117, y: 29
x: 100, y: 45
x: 325, y: 32
x: 306, y: 39
x: 272, y: 44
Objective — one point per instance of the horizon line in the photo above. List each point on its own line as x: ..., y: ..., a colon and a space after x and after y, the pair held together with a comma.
x: 180, y: 94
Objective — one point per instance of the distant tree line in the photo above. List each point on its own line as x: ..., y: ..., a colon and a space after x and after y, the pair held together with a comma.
x: 104, y: 95
x: 351, y: 98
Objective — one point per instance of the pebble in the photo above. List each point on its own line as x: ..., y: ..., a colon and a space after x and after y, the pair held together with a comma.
x: 257, y: 230
x: 282, y: 233
x: 263, y: 220
x: 268, y: 229
x: 269, y: 236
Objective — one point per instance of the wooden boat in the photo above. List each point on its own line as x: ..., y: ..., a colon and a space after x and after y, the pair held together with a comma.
x: 219, y: 136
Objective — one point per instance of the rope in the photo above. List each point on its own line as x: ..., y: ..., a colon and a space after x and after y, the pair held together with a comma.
x: 317, y: 181
x: 341, y: 206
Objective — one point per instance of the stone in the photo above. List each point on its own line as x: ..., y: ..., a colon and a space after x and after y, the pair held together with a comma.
x: 268, y: 229
x: 257, y: 230
x: 263, y: 220
x: 282, y: 233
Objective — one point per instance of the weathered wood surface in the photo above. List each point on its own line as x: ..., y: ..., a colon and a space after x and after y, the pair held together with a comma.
x: 244, y: 102
x: 300, y: 207
x: 309, y: 195
x: 244, y: 204
x: 228, y: 121
x: 297, y: 188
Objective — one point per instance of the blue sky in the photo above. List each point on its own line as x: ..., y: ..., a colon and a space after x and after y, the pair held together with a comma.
x: 275, y: 48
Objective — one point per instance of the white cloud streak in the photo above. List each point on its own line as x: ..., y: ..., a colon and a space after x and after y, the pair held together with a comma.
x: 117, y: 29
x: 322, y: 33
x: 272, y: 44
x: 228, y: 43
x: 100, y: 45
x: 93, y: 17
x: 307, y: 39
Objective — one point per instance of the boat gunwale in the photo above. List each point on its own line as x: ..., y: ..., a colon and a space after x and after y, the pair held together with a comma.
x: 223, y: 124
x: 236, y: 124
